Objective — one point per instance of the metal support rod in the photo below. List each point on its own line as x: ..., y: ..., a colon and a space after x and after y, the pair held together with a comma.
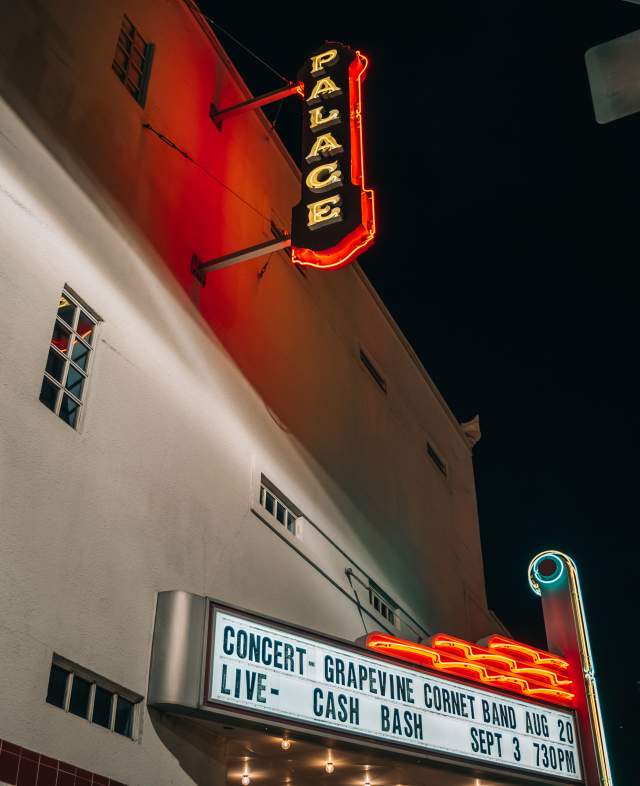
x: 200, y: 269
x: 218, y: 115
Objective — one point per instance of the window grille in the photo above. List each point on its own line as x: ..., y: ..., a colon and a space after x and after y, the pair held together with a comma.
x: 93, y: 698
x: 383, y: 604
x: 278, y: 506
x: 64, y: 384
x: 132, y: 60
x: 376, y: 375
x: 437, y: 459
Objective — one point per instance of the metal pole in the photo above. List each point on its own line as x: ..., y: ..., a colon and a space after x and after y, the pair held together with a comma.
x: 200, y: 269
x: 218, y: 115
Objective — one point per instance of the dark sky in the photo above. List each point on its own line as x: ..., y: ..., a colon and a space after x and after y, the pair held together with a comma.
x: 507, y: 253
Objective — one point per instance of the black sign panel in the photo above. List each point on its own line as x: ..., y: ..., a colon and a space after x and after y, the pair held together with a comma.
x: 333, y: 222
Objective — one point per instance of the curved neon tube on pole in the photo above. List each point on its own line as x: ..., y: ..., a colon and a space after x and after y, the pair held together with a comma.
x: 541, y: 580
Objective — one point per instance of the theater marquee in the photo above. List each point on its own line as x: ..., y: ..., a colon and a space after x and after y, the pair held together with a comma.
x: 265, y: 670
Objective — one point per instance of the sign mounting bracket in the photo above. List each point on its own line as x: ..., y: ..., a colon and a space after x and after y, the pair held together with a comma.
x: 200, y: 269
x: 218, y: 115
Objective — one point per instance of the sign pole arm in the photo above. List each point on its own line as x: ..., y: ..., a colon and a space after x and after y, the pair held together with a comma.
x: 200, y: 269
x: 218, y: 115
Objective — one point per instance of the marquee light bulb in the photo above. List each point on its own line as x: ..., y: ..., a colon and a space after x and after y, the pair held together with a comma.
x: 245, y: 780
x: 329, y: 767
x: 285, y: 744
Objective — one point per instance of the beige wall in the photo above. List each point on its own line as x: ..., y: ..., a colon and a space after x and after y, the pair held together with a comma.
x: 194, y: 392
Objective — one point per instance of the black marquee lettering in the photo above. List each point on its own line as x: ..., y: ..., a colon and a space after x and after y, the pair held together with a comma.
x: 227, y: 646
x: 241, y: 644
x: 254, y: 647
x: 267, y: 644
x: 328, y: 668
x: 288, y: 657
x: 301, y: 653
x: 384, y: 718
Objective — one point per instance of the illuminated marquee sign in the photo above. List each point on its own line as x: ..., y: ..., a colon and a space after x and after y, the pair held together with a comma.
x: 334, y: 221
x: 263, y: 670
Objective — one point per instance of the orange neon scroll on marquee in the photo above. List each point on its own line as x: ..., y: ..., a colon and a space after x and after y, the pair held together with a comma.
x: 334, y: 222
x: 504, y: 664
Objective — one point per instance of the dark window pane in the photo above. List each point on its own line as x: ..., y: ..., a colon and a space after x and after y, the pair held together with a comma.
x: 139, y: 42
x: 120, y: 62
x: 119, y: 72
x: 280, y: 511
x: 124, y: 41
x: 102, y: 707
x: 85, y: 327
x: 75, y: 382
x: 55, y: 364
x: 61, y: 337
x: 80, y: 354
x: 136, y: 60
x: 124, y: 717
x: 57, y: 685
x: 269, y: 502
x: 69, y: 411
x: 66, y: 310
x: 48, y: 394
x: 79, y: 702
x: 291, y: 522
x: 440, y: 464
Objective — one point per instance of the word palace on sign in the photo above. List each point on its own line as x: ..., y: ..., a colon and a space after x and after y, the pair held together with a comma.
x: 334, y: 221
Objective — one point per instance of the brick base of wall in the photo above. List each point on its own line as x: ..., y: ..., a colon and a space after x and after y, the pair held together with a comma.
x: 22, y: 767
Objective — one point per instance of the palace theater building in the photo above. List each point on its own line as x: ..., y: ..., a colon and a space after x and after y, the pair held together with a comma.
x: 211, y: 494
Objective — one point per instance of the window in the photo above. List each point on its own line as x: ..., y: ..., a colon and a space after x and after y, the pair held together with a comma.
x: 437, y: 460
x: 279, y: 507
x: 369, y: 365
x: 383, y: 604
x: 88, y: 696
x: 132, y: 60
x: 65, y: 376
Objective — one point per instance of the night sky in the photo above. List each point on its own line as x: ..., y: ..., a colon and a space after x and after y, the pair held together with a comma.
x: 507, y: 252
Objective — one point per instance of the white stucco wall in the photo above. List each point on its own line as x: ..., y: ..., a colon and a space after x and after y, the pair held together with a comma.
x: 155, y: 490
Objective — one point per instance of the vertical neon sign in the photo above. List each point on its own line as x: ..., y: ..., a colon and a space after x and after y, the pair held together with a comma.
x: 334, y: 222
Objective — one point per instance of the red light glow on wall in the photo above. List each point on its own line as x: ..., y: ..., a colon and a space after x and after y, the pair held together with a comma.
x: 505, y: 664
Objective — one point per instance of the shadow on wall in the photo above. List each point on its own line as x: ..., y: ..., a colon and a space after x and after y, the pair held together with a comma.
x: 199, y: 752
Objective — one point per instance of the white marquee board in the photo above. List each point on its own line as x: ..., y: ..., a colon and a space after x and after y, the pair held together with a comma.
x: 272, y: 670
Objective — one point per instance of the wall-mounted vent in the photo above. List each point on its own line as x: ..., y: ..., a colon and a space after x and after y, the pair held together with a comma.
x: 371, y: 368
x: 437, y: 459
